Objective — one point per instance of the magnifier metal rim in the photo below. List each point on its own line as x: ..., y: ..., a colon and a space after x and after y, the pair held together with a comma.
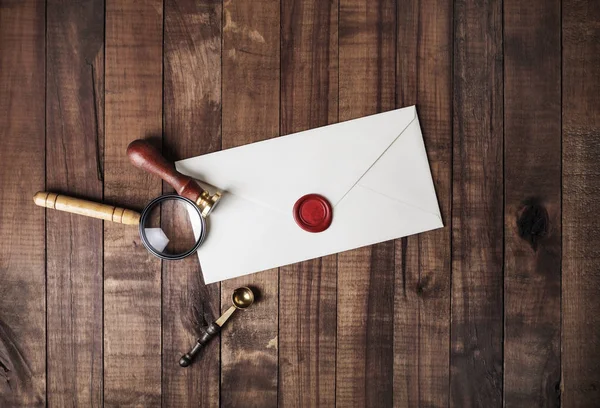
x: 146, y: 214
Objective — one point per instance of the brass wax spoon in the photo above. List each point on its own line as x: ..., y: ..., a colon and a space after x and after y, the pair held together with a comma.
x: 242, y: 298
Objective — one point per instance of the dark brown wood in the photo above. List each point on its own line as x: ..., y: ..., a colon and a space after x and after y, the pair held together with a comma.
x: 581, y: 184
x: 464, y: 316
x: 74, y: 139
x: 132, y: 277
x: 250, y: 113
x: 192, y: 119
x: 477, y: 207
x: 422, y: 287
x: 532, y: 219
x: 146, y: 157
x: 307, y: 333
x: 307, y: 312
x: 365, y: 327
x: 407, y: 333
x: 22, y: 241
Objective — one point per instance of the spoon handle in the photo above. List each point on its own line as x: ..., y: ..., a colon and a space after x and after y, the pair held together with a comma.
x: 221, y: 320
x: 211, y: 331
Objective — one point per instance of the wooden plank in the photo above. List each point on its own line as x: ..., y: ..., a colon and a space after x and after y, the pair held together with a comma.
x: 581, y: 186
x: 250, y: 113
x: 74, y: 140
x: 307, y: 312
x: 532, y: 221
x: 366, y: 276
x: 22, y: 238
x: 407, y: 323
x: 192, y: 106
x: 132, y: 277
x: 422, y: 299
x: 477, y: 207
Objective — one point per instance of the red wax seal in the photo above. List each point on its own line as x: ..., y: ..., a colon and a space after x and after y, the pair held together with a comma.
x: 313, y: 213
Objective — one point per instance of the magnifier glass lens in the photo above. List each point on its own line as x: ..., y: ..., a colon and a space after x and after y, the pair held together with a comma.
x: 172, y: 227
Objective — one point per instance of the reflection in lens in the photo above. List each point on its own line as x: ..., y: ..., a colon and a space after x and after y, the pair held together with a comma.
x: 172, y: 227
x: 157, y: 238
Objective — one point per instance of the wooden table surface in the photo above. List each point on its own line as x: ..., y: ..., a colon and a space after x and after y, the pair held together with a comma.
x: 502, y: 306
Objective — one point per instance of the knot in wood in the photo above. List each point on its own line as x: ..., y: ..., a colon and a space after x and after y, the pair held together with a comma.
x: 533, y: 223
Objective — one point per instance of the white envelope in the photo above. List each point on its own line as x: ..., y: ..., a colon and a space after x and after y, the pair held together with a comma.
x: 373, y: 170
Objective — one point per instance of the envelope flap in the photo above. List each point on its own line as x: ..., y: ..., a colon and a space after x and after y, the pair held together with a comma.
x: 406, y: 162
x: 327, y: 161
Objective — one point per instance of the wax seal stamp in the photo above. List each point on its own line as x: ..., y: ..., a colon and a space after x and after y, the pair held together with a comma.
x: 313, y: 213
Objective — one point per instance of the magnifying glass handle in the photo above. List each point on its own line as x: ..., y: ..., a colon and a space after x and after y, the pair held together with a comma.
x: 211, y: 331
x: 144, y: 156
x: 88, y: 208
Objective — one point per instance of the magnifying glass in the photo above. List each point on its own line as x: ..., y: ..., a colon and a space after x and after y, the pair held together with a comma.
x: 170, y: 226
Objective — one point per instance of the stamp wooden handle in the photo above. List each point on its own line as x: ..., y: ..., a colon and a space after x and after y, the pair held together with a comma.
x: 144, y: 156
x: 87, y: 208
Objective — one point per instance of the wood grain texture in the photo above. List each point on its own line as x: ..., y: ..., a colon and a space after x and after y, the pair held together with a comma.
x: 581, y: 187
x: 250, y: 113
x: 477, y: 207
x: 307, y: 314
x: 422, y: 288
x: 307, y: 334
x: 132, y: 277
x: 74, y: 137
x: 364, y: 366
x: 532, y: 221
x: 192, y: 118
x: 469, y: 315
x: 22, y: 241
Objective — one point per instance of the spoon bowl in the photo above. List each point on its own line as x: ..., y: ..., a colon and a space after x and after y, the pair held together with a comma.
x: 242, y: 298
